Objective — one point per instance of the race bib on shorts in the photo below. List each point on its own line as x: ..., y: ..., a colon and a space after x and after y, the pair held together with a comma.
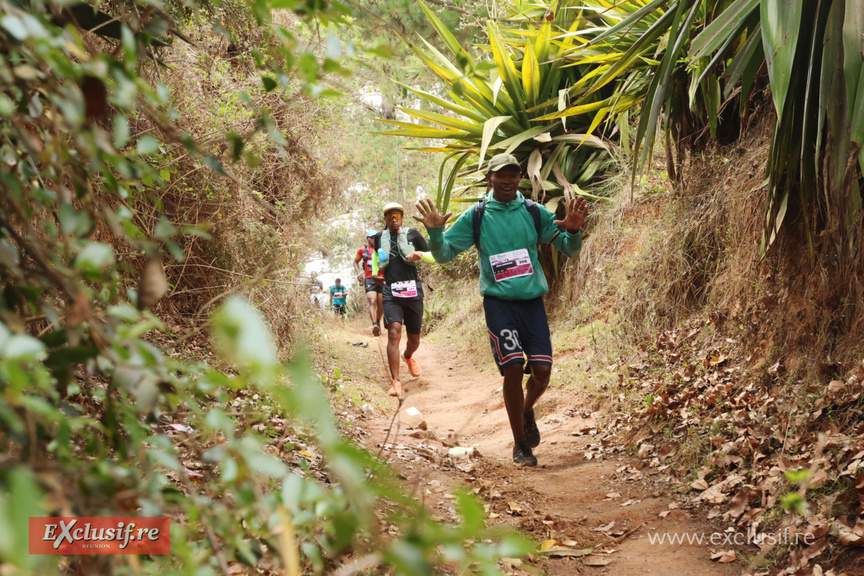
x: 404, y: 289
x: 512, y: 264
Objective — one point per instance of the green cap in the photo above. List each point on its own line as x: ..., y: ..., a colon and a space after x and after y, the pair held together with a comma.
x: 500, y: 161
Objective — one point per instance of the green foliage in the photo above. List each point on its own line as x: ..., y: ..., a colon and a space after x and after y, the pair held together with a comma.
x: 513, y: 103
x: 95, y: 419
x: 685, y: 62
x: 812, y: 52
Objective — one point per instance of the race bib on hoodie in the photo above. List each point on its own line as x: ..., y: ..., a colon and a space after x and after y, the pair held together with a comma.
x: 513, y: 264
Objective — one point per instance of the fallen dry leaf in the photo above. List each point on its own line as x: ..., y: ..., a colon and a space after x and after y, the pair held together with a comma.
x: 547, y: 544
x: 699, y: 484
x: 849, y: 538
x: 739, y: 504
x: 567, y: 552
x: 596, y: 561
x: 605, y: 528
x: 724, y: 557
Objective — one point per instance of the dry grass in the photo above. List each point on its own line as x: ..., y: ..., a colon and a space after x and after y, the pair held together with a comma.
x: 259, y: 217
x: 669, y: 256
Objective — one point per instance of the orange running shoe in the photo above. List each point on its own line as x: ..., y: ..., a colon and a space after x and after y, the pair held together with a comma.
x: 413, y: 367
x: 395, y: 388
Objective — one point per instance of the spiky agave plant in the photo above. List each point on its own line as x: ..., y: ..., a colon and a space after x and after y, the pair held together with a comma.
x: 509, y: 102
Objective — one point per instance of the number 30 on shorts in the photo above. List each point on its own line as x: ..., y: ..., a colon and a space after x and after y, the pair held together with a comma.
x: 510, y: 340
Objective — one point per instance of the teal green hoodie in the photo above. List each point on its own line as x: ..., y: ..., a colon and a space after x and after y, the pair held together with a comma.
x: 506, y: 227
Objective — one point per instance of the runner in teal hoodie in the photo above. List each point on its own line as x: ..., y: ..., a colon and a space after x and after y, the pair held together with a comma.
x: 512, y: 283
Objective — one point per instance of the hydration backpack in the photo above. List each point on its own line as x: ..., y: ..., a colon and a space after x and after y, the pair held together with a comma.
x: 480, y: 208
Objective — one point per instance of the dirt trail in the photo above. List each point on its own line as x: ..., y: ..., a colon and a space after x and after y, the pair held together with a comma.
x: 566, y: 498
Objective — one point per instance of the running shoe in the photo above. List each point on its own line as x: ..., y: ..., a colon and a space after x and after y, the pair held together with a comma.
x: 522, y: 455
x: 532, y: 434
x: 395, y: 388
x: 413, y: 367
x: 376, y: 330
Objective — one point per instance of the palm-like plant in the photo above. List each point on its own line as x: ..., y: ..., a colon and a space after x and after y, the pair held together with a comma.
x: 555, y: 92
x: 512, y: 103
x: 814, y: 66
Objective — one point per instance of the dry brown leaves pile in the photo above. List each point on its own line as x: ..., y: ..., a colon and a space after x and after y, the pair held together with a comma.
x: 746, y: 428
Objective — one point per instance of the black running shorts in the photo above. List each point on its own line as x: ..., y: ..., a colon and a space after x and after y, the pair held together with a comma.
x: 407, y: 312
x: 518, y: 329
x: 372, y: 286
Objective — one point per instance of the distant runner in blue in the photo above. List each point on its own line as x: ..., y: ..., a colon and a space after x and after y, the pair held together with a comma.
x: 338, y: 298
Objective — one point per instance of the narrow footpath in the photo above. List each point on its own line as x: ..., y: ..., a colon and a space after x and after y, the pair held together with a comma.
x: 593, y: 505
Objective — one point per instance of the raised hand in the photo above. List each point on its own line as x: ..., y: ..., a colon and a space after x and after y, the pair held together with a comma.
x: 430, y: 216
x: 577, y: 210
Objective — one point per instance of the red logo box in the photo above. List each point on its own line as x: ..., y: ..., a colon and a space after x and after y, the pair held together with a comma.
x: 92, y: 535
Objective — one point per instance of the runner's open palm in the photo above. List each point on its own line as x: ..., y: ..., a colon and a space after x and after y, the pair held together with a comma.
x: 577, y: 210
x: 430, y: 216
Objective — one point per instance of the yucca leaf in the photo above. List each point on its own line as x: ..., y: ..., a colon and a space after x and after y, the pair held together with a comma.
x: 562, y: 181
x: 831, y: 86
x: 449, y: 76
x: 580, y: 139
x: 745, y: 65
x: 443, y: 120
x: 461, y: 110
x: 473, y: 99
x: 507, y: 71
x: 543, y: 42
x: 573, y: 91
x: 853, y: 48
x: 727, y: 25
x: 718, y: 57
x: 657, y: 93
x: 423, y: 132
x: 447, y: 37
x: 439, y: 149
x: 590, y: 167
x: 554, y: 158
x: 535, y: 163
x: 489, y: 129
x: 781, y: 22
x: 530, y: 75
x: 777, y: 222
x: 443, y: 198
x: 439, y: 198
x: 576, y: 110
x: 711, y: 93
x: 644, y: 43
x: 496, y: 88
x: 552, y: 205
x: 510, y: 144
x: 454, y: 77
x: 630, y: 20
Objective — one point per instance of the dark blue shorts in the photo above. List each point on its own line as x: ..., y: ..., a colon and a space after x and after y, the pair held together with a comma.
x: 518, y: 329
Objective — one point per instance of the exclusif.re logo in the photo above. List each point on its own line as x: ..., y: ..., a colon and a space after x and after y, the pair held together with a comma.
x: 95, y: 535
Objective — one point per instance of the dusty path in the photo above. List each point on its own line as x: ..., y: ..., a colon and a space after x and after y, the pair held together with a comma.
x: 568, y: 498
